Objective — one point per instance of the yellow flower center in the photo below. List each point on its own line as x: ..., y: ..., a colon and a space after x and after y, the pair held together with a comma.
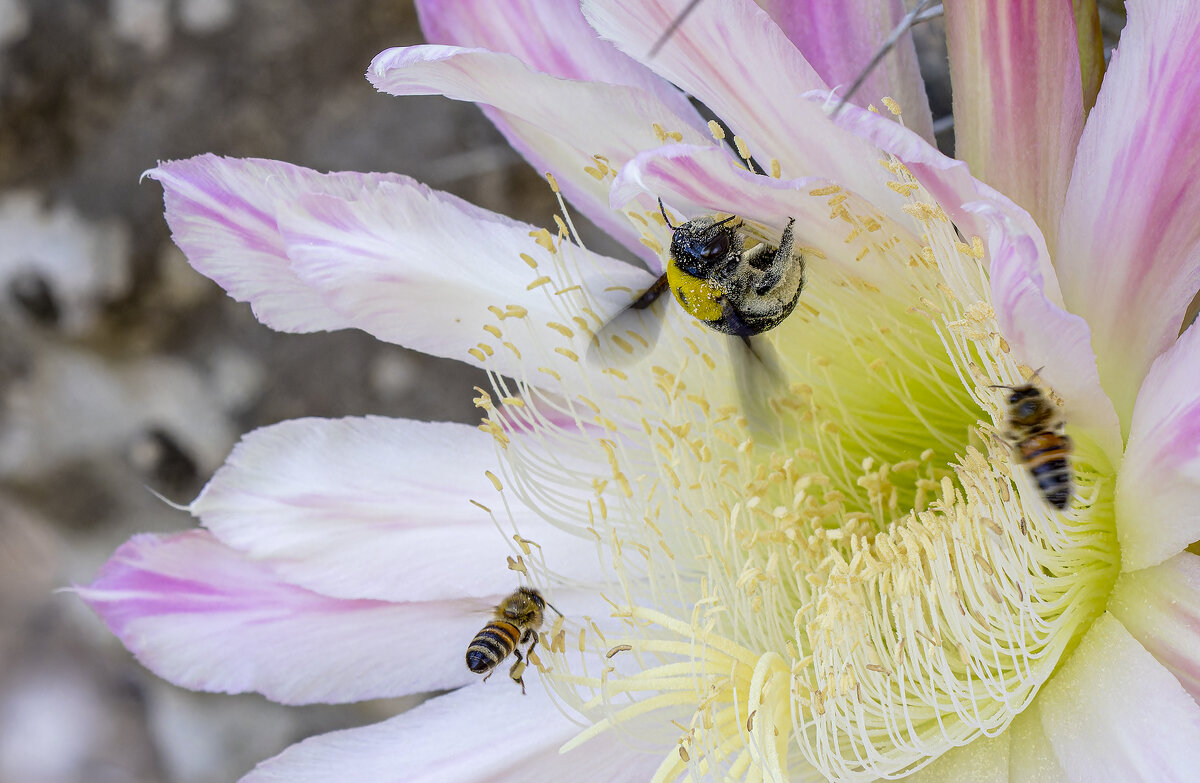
x: 872, y: 580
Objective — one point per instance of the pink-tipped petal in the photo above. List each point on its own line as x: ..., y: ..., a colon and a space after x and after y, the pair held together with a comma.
x: 487, y: 733
x: 1047, y: 338
x: 409, y: 264
x: 1160, y: 606
x: 840, y: 37
x: 1129, y: 240
x: 222, y: 214
x: 1158, y: 487
x: 378, y: 508
x: 733, y: 57
x: 206, y: 617
x: 559, y: 124
x: 1018, y: 99
x: 554, y: 39
x: 1113, y: 712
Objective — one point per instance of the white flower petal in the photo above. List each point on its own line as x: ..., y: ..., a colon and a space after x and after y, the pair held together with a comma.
x: 1160, y: 606
x: 422, y: 269
x: 378, y: 508
x: 486, y: 732
x: 1112, y: 712
x: 1158, y: 487
x: 206, y: 617
x: 1031, y: 756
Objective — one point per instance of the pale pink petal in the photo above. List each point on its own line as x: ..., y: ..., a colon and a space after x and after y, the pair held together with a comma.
x: 222, y: 216
x: 1112, y: 712
x: 1031, y: 757
x: 419, y: 268
x: 982, y: 760
x: 484, y: 733
x: 559, y: 124
x: 206, y: 617
x: 733, y: 57
x: 965, y: 199
x: 700, y: 180
x: 1158, y: 486
x: 378, y: 508
x: 1047, y: 338
x: 1018, y: 99
x: 1129, y: 240
x: 1160, y: 606
x: 840, y: 37
x: 409, y: 264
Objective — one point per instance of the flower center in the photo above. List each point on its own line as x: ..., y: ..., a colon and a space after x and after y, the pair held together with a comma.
x: 866, y: 581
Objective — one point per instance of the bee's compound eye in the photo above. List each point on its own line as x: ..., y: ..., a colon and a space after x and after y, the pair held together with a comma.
x: 716, y: 247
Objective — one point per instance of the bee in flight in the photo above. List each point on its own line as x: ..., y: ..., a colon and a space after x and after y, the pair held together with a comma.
x: 726, y: 287
x: 1035, y: 428
x: 516, y: 620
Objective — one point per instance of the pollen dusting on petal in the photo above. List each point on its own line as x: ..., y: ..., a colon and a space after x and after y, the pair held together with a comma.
x: 851, y: 585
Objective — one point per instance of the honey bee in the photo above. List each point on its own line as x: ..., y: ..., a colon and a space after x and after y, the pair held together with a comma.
x: 516, y: 620
x: 1035, y: 428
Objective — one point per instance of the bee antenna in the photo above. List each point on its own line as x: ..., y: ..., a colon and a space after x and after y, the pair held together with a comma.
x: 663, y: 210
x: 555, y: 608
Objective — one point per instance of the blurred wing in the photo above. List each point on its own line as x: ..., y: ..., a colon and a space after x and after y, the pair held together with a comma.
x: 630, y: 334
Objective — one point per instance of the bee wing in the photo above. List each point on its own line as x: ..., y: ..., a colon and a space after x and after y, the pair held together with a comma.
x: 630, y: 334
x: 760, y: 379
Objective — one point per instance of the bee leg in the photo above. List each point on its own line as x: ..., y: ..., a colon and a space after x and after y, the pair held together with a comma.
x: 651, y: 294
x: 518, y: 669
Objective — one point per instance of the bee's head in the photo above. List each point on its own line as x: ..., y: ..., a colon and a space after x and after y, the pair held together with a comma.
x: 699, y: 246
x: 1027, y: 406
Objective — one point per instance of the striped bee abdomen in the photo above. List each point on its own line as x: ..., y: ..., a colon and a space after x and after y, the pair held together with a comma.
x: 492, y: 645
x: 1045, y: 455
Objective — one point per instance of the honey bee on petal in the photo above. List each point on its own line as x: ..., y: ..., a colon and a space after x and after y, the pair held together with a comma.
x: 1035, y: 429
x: 516, y: 620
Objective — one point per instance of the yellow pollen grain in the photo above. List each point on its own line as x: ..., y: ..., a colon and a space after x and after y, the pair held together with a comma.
x: 617, y: 649
x: 891, y: 105
x: 516, y: 402
x: 529, y: 260
x: 551, y: 373
x: 716, y: 130
x: 651, y: 243
x: 495, y: 481
x: 493, y: 330
x: 512, y: 348
x: 776, y: 169
x: 487, y: 349
x: 828, y: 190
x: 517, y: 564
x: 594, y: 172
x: 563, y: 231
x: 553, y: 182
x: 496, y: 311
x: 516, y: 311
x: 478, y: 354
x: 562, y: 329
x: 544, y: 238
x: 568, y: 290
x: 637, y: 216
x: 659, y: 133
x: 541, y: 281
x: 903, y: 188
x: 567, y: 352
x: 742, y: 149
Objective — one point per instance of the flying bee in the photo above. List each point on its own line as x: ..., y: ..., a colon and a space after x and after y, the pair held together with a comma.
x: 516, y: 620
x: 1034, y: 426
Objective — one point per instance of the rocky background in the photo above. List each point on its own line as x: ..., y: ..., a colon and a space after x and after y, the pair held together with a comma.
x: 122, y: 370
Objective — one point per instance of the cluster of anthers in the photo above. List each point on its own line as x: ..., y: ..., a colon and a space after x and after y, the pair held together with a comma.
x: 867, y: 579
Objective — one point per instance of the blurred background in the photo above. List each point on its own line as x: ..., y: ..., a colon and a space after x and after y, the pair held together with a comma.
x: 122, y: 369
